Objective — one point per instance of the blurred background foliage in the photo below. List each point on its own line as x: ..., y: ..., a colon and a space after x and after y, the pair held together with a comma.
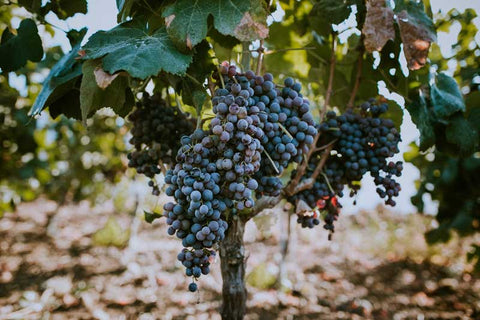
x: 61, y: 159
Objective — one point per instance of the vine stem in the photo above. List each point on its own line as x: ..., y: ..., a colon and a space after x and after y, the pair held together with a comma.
x: 318, y: 169
x: 331, y: 74
x: 261, y: 51
x: 291, y: 188
x: 245, y: 56
x: 358, y: 77
x: 220, y: 76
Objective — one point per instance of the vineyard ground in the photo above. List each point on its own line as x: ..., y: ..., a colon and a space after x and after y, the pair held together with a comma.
x: 378, y: 266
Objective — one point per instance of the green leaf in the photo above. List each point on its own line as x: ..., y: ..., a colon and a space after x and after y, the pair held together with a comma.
x: 76, y: 36
x: 395, y: 113
x: 191, y: 86
x: 130, y: 48
x: 446, y: 97
x: 441, y: 234
x: 61, y: 79
x: 112, y: 234
x: 68, y: 8
x: 15, y: 50
x: 187, y: 20
x: 460, y: 133
x: 120, y: 4
x: 328, y: 12
x: 67, y: 101
x: 473, y: 105
x: 421, y: 117
x: 124, y: 8
x: 93, y: 98
x: 150, y: 216
x: 31, y: 5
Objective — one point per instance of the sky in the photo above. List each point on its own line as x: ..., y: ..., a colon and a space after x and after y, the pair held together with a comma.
x: 102, y: 16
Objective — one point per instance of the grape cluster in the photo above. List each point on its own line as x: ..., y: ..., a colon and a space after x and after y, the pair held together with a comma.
x: 156, y: 132
x: 196, y: 215
x: 283, y: 116
x: 237, y: 138
x: 363, y: 143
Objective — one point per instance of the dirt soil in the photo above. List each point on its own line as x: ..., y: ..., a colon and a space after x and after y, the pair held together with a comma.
x: 377, y: 267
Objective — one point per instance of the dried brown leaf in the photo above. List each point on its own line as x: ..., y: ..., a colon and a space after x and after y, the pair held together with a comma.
x: 169, y: 19
x: 189, y: 42
x: 81, y: 54
x: 378, y: 27
x: 104, y: 79
x: 249, y: 29
x: 416, y: 41
x: 302, y: 207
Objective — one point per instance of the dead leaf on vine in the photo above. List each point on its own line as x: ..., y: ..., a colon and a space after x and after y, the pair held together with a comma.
x: 302, y: 207
x: 249, y: 29
x: 169, y: 19
x: 189, y: 42
x: 104, y: 79
x: 378, y: 27
x: 81, y: 54
x: 416, y: 40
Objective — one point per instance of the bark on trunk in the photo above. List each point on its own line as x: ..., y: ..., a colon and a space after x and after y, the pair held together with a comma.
x: 232, y: 258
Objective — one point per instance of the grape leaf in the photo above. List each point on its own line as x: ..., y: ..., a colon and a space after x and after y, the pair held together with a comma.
x: 421, y: 117
x: 190, y: 87
x: 68, y: 8
x: 150, y: 216
x: 446, y: 97
x: 68, y: 100
x: 253, y: 25
x: 473, y: 103
x: 60, y: 79
x: 93, y: 98
x: 416, y: 30
x: 378, y: 27
x: 460, y: 133
x: 186, y: 20
x: 31, y: 5
x: 130, y: 48
x: 327, y: 12
x: 124, y: 7
x: 15, y: 50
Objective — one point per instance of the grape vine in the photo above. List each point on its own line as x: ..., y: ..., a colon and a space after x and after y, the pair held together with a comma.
x: 258, y: 130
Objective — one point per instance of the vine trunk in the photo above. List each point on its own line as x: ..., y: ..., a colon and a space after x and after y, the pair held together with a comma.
x: 232, y: 256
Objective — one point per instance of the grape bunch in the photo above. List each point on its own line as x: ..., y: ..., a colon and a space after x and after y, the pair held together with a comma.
x: 196, y: 215
x: 362, y: 143
x: 237, y: 139
x: 283, y: 116
x: 156, y: 132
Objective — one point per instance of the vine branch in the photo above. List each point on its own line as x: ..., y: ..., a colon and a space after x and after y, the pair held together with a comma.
x: 291, y: 188
x: 333, y: 60
x: 358, y: 77
x: 261, y: 51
